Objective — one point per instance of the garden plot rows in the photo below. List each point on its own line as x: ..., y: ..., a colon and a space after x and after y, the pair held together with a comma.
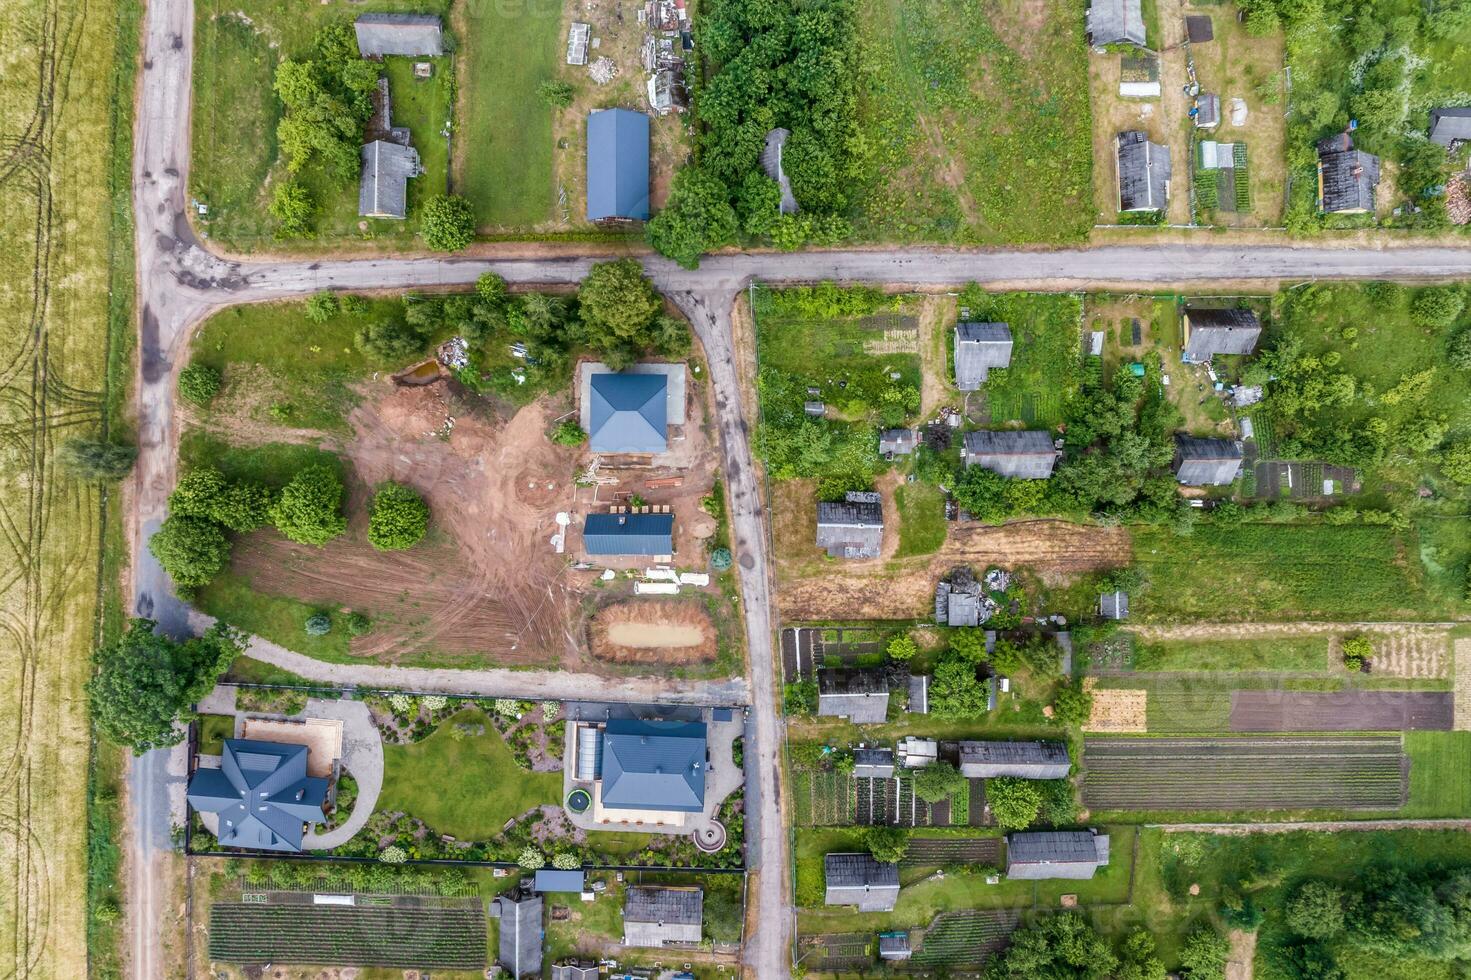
x: 1342, y: 711
x: 947, y: 851
x: 964, y: 937
x: 836, y: 953
x: 1369, y: 772
x: 823, y: 799
x: 451, y: 938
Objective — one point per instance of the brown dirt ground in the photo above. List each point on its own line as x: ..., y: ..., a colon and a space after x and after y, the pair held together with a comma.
x: 1116, y: 710
x: 1463, y: 685
x: 653, y: 613
x: 936, y: 319
x: 1243, y: 954
x: 486, y: 579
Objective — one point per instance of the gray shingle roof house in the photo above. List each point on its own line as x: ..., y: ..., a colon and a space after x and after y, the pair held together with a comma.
x: 860, y: 695
x: 1208, y: 110
x: 857, y: 879
x: 654, y: 765
x: 853, y: 528
x: 617, y: 165
x: 1144, y: 173
x: 630, y: 413
x: 261, y: 793
x: 554, y: 880
x: 657, y: 917
x: 919, y: 694
x: 979, y: 347
x: 1023, y: 454
x: 1027, y: 760
x: 521, y: 932
x: 873, y: 763
x: 383, y: 186
x: 1116, y: 22
x: 1347, y: 177
x: 612, y: 535
x: 1450, y: 126
x: 894, y: 946
x: 1209, y: 332
x: 1206, y: 462
x: 1113, y: 605
x: 401, y: 34
x: 900, y: 442
x: 586, y: 970
x: 1058, y: 854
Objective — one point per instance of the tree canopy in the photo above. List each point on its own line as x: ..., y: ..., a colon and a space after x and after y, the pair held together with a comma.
x: 327, y: 103
x: 309, y: 509
x: 447, y: 222
x: 192, y: 550
x: 397, y: 518
x: 96, y: 459
x: 1014, y: 802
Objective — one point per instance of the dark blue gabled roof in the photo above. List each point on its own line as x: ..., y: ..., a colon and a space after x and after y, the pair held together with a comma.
x: 654, y: 765
x: 617, y: 165
x: 628, y: 534
x: 262, y: 794
x: 630, y: 413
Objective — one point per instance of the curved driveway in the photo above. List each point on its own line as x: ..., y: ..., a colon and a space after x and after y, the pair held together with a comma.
x: 179, y: 283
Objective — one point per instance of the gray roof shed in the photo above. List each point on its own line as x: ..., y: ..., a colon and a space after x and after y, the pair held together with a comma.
x: 1144, y: 173
x: 401, y: 34
x: 261, y: 793
x: 617, y: 165
x: 1116, y: 22
x: 853, y: 528
x: 1074, y: 854
x: 575, y: 971
x: 857, y: 879
x: 1022, y: 454
x: 873, y: 763
x: 630, y: 413
x: 979, y: 347
x: 656, y: 917
x: 919, y: 694
x: 613, y: 535
x: 383, y: 185
x: 1450, y: 125
x: 1215, y: 331
x: 1026, y: 760
x: 860, y: 695
x: 654, y: 765
x: 521, y: 933
x: 1347, y: 178
x: 555, y: 880
x: 1206, y: 462
x: 1114, y: 605
x: 900, y: 442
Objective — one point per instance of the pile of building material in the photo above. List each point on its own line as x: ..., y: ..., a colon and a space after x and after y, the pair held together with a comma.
x: 578, y: 39
x: 454, y: 353
x: 663, y: 580
x: 663, y: 53
x: 602, y: 70
x: 960, y: 600
x: 1458, y: 200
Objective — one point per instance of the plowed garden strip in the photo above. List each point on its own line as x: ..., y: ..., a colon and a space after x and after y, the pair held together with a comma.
x: 1341, y: 711
x: 449, y: 938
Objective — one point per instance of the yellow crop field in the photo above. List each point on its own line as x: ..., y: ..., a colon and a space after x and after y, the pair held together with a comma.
x: 65, y: 279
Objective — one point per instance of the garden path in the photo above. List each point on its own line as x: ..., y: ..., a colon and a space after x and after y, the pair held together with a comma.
x: 362, y: 755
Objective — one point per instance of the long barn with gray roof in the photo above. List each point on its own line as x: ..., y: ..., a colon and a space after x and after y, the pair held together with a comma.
x: 1116, y: 22
x: 1206, y: 462
x: 853, y: 527
x: 412, y: 35
x: 1025, y: 455
x: 1213, y: 331
x: 658, y: 917
x: 1025, y: 760
x: 1072, y: 854
x: 857, y: 879
x: 860, y: 695
x: 1144, y: 172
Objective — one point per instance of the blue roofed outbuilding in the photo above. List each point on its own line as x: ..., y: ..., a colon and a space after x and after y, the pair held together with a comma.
x: 654, y: 765
x: 617, y: 165
x: 648, y: 535
x: 629, y: 413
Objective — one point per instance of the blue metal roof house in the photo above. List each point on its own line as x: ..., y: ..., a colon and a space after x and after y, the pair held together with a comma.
x: 617, y: 165
x: 654, y: 765
x: 650, y: 535
x: 630, y: 413
x: 262, y: 794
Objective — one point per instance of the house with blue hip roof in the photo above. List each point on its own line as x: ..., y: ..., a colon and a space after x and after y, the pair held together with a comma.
x: 629, y: 413
x: 654, y: 765
x: 261, y: 794
x: 617, y: 165
x: 644, y: 535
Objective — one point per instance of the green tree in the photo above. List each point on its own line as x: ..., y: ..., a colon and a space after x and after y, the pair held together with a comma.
x: 204, y: 492
x: 902, y: 648
x: 1317, y: 910
x: 937, y: 782
x: 1311, y: 961
x: 568, y: 433
x: 556, y: 93
x: 199, y: 383
x: 1014, y: 802
x: 887, y: 843
x: 191, y: 549
x: 397, y: 518
x: 696, y: 219
x: 618, y: 306
x: 1138, y: 959
x: 1071, y: 705
x: 984, y: 494
x: 318, y: 624
x: 491, y: 289
x: 96, y: 459
x: 145, y: 682
x: 390, y: 340
x: 1455, y: 462
x: 358, y: 624
x: 447, y: 223
x: 758, y: 203
x: 1357, y: 651
x: 1204, y: 955
x: 321, y: 307
x: 968, y: 643
x: 1458, y: 351
x: 293, y: 208
x: 1059, y: 947
x: 309, y: 510
x: 956, y: 692
x: 1437, y: 307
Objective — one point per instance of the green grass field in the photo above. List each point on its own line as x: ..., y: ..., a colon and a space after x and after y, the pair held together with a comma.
x: 467, y: 788
x: 505, y: 161
x: 1303, y: 653
x: 1046, y: 356
x: 213, y: 730
x: 921, y: 519
x: 976, y: 143
x: 1440, y: 774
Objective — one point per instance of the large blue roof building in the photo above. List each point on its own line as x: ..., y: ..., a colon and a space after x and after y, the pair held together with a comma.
x: 630, y: 413
x: 644, y: 535
x: 654, y: 765
x: 261, y: 793
x: 617, y: 165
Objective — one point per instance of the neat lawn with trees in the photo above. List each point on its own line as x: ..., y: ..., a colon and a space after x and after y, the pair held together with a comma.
x: 466, y: 787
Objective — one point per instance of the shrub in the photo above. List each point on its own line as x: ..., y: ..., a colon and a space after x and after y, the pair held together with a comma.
x: 353, y: 305
x: 309, y: 510
x: 1072, y: 705
x: 555, y: 92
x: 199, y: 383
x: 191, y: 549
x: 937, y: 782
x: 447, y: 223
x: 401, y: 704
x: 318, y: 624
x: 1437, y: 307
x: 566, y: 861
x: 1459, y: 350
x: 568, y: 433
x: 886, y: 843
x: 531, y: 859
x: 720, y: 559
x: 902, y: 648
x: 95, y: 459
x: 397, y: 518
x: 1455, y: 462
x: 1316, y: 910
x: 1204, y: 955
x: 1357, y: 650
x: 293, y: 208
x: 390, y: 340
x: 393, y: 854
x: 1014, y: 802
x: 434, y: 702
x: 507, y: 708
x: 321, y: 307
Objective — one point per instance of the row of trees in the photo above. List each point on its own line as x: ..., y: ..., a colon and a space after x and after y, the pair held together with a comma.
x: 1066, y: 947
x: 768, y: 65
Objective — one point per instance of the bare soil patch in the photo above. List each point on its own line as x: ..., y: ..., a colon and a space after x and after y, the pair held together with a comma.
x: 653, y: 631
x: 1120, y: 711
x: 1240, y: 960
x: 1341, y: 711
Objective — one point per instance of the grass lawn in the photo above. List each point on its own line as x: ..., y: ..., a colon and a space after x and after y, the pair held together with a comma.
x: 273, y: 464
x: 1046, y: 357
x: 1282, y: 572
x: 467, y: 788
x: 1440, y: 774
x: 1303, y: 653
x: 921, y: 519
x: 503, y: 159
x: 962, y: 135
x: 280, y: 619
x: 213, y: 730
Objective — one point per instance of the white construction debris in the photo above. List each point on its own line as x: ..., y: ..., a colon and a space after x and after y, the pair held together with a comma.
x: 694, y: 578
x: 577, y: 41
x: 661, y: 574
x: 655, y: 588
x: 1238, y: 112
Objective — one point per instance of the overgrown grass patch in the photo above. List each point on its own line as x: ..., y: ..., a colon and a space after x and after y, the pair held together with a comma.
x: 1289, y: 653
x: 1046, y: 353
x: 273, y: 464
x: 922, y: 524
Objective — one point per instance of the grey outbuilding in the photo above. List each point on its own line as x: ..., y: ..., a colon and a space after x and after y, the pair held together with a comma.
x: 1347, y: 177
x: 1116, y: 22
x: 873, y: 763
x: 1144, y: 173
x: 1206, y: 462
x: 852, y: 528
x: 1451, y: 126
x: 383, y: 187
x: 521, y: 932
x: 1024, y: 760
x: 411, y: 35
x: 857, y: 879
x: 979, y: 347
x: 1213, y: 331
x: 1020, y: 454
x: 1073, y: 854
x: 860, y: 695
x: 659, y: 917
